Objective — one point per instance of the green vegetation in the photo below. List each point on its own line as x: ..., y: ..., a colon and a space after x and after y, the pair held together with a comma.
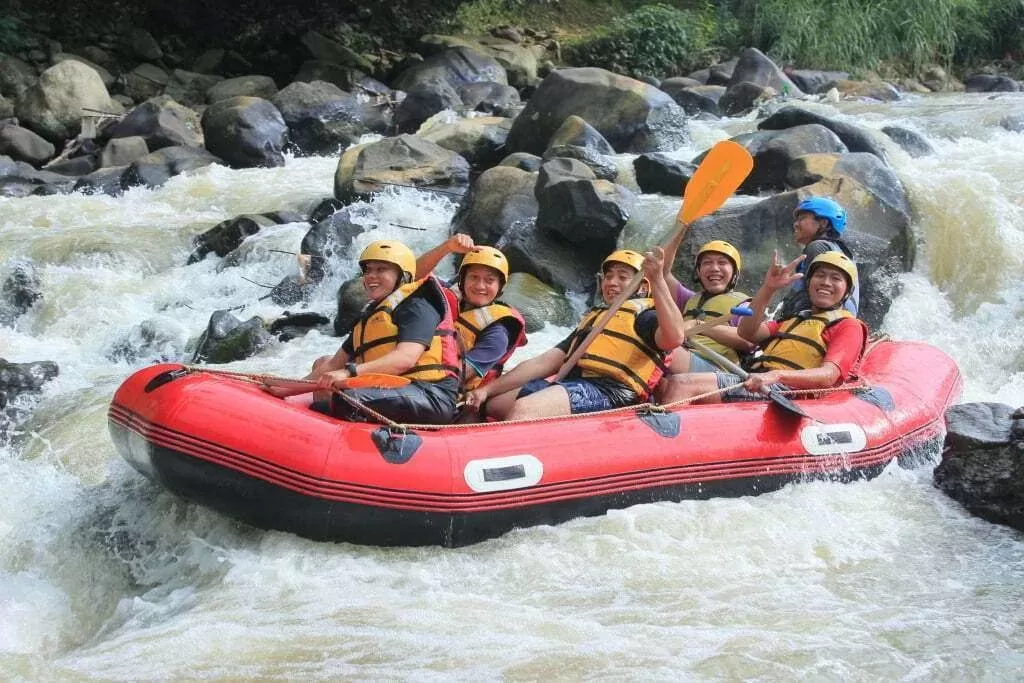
x: 656, y: 40
x: 640, y: 38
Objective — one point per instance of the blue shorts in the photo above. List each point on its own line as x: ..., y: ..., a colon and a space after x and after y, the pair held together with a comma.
x: 698, y: 364
x: 727, y: 379
x: 584, y: 396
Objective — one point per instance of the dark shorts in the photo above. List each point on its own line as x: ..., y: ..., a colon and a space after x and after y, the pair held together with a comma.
x: 727, y: 379
x: 584, y: 396
x: 416, y: 403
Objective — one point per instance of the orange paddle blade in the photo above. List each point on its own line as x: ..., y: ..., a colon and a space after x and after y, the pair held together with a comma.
x: 376, y: 380
x: 724, y: 168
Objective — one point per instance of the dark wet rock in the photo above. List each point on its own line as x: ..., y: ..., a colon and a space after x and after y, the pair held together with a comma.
x: 228, y: 339
x: 75, y: 166
x: 189, y: 87
x: 753, y: 66
x: 701, y: 99
x: 291, y: 290
x: 721, y: 73
x: 490, y: 98
x: 260, y: 87
x: 539, y: 303
x: 587, y: 212
x: 24, y: 378
x: 914, y: 144
x: 323, y: 209
x: 402, y: 160
x: 867, y: 169
x: 351, y: 302
x: 16, y: 76
x: 501, y: 198
x: 20, y: 291
x: 672, y: 86
x: 662, y: 174
x: 523, y: 161
x: 161, y: 122
x: 421, y: 103
x: 156, y: 168
x: 815, y: 82
x: 991, y: 83
x: 22, y: 144
x: 227, y: 235
x: 154, y: 341
x: 329, y: 239
x: 577, y: 139
x: 245, y: 132
x: 145, y: 81
x: 106, y: 181
x: 775, y: 151
x: 292, y: 325
x: 631, y: 115
x: 855, y: 138
x: 479, y: 140
x: 454, y: 66
x: 123, y: 151
x: 743, y: 97
x: 1013, y: 123
x: 983, y: 461
x: 551, y: 260
x: 321, y: 118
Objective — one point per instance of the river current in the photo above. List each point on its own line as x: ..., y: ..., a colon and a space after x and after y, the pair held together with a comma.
x: 105, y: 576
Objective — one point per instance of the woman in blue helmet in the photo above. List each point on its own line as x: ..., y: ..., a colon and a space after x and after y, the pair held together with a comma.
x: 818, y: 226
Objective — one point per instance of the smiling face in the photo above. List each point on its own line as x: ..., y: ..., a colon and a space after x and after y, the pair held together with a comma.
x: 614, y: 280
x: 480, y: 285
x: 380, y: 278
x: 806, y: 227
x: 827, y: 287
x: 715, y: 272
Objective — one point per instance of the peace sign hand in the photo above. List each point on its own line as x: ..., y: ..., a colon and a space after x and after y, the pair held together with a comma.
x: 780, y: 276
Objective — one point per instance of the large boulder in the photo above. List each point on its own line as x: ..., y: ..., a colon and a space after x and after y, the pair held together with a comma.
x: 245, y: 132
x: 228, y: 339
x: 501, y: 198
x: 328, y: 241
x: 479, y: 140
x: 455, y: 66
x: 161, y: 122
x: 242, y: 86
x: 405, y: 160
x: 16, y: 76
x: 156, y: 168
x: 662, y: 174
x: 321, y: 117
x: 774, y: 151
x: 855, y: 138
x: 52, y: 107
x: 22, y: 144
x: 539, y: 303
x: 145, y: 81
x: 553, y: 261
x: 631, y: 115
x: 753, y: 66
x: 224, y: 237
x: 983, y: 461
x: 585, y: 211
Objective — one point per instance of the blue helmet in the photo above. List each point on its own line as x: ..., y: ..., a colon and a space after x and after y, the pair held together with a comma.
x: 823, y: 207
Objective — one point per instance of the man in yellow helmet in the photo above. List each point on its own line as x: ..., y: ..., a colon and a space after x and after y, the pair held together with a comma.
x: 408, y: 329
x: 815, y: 349
x: 490, y: 331
x: 621, y: 366
x: 716, y: 270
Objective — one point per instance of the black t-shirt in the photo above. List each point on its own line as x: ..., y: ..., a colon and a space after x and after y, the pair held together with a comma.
x: 645, y: 325
x: 417, y: 320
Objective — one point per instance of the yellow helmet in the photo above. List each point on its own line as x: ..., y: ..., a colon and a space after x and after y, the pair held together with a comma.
x: 633, y: 259
x: 391, y: 251
x: 486, y: 256
x: 725, y: 249
x: 836, y: 259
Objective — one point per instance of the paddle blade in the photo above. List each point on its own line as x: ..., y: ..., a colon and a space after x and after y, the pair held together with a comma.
x: 724, y: 168
x: 282, y: 387
x: 376, y: 380
x: 786, y: 404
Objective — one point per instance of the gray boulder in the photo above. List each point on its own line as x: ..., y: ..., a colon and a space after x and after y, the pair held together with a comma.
x: 403, y: 160
x: 52, y: 107
x: 245, y: 132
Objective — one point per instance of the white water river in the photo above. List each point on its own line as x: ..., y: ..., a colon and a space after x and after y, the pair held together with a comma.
x: 105, y: 576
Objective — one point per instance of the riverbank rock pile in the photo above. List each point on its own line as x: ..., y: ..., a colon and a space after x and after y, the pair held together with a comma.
x: 982, y: 464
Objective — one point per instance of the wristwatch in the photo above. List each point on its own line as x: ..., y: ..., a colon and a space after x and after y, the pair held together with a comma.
x: 351, y: 368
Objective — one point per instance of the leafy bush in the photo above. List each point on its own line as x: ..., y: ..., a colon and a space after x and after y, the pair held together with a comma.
x: 655, y: 40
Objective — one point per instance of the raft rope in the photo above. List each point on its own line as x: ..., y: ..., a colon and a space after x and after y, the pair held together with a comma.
x: 854, y: 384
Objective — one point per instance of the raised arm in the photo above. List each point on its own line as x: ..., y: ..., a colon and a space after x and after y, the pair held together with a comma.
x: 458, y: 243
x: 778, y: 277
x: 671, y: 332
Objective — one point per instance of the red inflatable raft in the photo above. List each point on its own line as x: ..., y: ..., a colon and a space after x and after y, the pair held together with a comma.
x: 278, y: 465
